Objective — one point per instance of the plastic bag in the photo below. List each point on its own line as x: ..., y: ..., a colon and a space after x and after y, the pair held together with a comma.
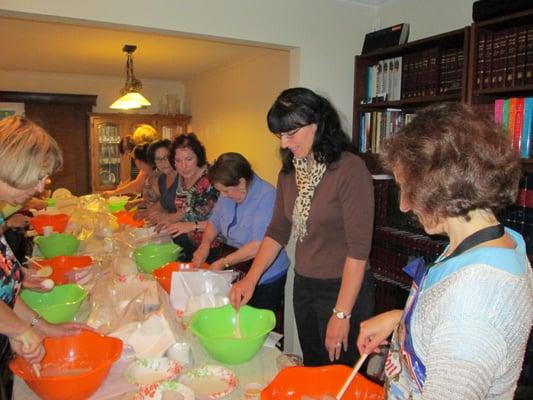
x: 194, y: 290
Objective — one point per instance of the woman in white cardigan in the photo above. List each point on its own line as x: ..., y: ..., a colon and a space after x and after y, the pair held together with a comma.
x: 464, y: 329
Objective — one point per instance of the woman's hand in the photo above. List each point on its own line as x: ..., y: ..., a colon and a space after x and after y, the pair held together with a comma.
x: 337, y: 337
x: 178, y: 228
x: 241, y: 292
x: 18, y: 221
x: 29, y: 345
x: 217, y: 265
x: 35, y: 282
x: 376, y: 330
x: 200, y: 255
x: 59, y: 330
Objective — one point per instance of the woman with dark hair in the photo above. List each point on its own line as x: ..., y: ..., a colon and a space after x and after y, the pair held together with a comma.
x: 195, y: 196
x: 325, y: 196
x: 464, y: 329
x: 241, y: 216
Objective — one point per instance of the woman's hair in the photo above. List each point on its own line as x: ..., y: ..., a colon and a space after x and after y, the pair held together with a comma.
x: 229, y: 168
x: 189, y: 141
x: 140, y: 152
x: 144, y: 133
x: 154, y: 146
x: 27, y: 152
x: 126, y: 144
x: 453, y: 160
x: 298, y: 107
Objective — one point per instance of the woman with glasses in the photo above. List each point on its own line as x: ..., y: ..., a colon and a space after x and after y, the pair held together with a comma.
x: 325, y: 198
x: 27, y: 156
x: 241, y: 216
x: 194, y: 199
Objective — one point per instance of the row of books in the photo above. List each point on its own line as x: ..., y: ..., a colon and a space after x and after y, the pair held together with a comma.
x: 505, y: 58
x: 378, y: 125
x: 425, y: 73
x: 384, y: 80
x: 515, y: 116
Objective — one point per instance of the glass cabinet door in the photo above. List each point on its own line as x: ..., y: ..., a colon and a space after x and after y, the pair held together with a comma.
x: 108, y: 157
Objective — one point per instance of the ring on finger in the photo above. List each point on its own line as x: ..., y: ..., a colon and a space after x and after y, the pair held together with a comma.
x: 338, y: 344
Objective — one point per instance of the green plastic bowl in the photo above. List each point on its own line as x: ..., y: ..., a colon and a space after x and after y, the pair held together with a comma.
x: 58, y: 305
x: 152, y: 256
x: 57, y: 244
x: 117, y: 205
x: 215, y: 329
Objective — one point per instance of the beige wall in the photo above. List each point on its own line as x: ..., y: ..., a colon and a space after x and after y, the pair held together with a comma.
x: 328, y: 32
x: 105, y: 87
x: 229, y: 109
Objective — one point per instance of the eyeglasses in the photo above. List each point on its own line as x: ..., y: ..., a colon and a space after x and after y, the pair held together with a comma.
x: 288, y: 133
x: 161, y: 159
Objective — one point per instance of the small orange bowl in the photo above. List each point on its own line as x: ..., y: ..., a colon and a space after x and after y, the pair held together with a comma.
x: 126, y: 218
x: 58, y: 222
x: 294, y: 382
x: 63, y: 266
x: 164, y: 274
x: 73, y: 368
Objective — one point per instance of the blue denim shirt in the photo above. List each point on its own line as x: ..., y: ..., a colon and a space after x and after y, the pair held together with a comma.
x: 253, y: 217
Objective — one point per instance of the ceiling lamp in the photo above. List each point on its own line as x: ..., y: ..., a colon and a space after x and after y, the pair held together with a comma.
x: 130, y: 96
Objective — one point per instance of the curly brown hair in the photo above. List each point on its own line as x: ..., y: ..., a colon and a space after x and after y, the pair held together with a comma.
x: 452, y: 161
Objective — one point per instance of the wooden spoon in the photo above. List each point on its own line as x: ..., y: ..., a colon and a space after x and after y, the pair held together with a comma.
x: 355, y: 370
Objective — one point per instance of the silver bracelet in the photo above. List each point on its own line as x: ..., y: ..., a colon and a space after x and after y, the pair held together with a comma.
x: 35, y: 320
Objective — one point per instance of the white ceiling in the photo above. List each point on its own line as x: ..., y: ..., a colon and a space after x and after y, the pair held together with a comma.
x: 61, y: 48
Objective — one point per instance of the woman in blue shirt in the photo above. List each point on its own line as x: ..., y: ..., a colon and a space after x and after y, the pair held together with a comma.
x: 241, y: 216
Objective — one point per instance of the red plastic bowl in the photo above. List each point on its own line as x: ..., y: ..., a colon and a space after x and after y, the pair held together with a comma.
x: 63, y: 265
x: 164, y: 274
x: 294, y: 382
x: 58, y: 222
x: 126, y: 218
x: 73, y: 368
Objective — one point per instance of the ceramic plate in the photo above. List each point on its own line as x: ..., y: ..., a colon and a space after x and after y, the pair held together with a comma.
x: 146, y: 371
x: 164, y: 390
x: 210, y: 382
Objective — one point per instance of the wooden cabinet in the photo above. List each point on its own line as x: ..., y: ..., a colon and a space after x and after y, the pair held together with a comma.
x: 108, y: 166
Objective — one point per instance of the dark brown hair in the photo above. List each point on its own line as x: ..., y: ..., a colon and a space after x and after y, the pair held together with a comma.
x: 453, y: 160
x: 229, y: 168
x: 190, y: 141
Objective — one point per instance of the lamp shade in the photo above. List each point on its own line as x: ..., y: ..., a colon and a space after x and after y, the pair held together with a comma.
x: 130, y: 101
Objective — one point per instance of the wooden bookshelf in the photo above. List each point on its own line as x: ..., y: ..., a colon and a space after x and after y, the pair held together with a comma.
x: 428, y: 86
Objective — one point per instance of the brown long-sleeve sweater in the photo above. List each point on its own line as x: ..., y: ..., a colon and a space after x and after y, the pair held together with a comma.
x: 340, y: 220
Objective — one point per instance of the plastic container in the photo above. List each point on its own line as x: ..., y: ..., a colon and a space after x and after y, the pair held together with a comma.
x: 65, y: 266
x: 164, y: 274
x: 126, y: 218
x: 58, y: 222
x: 59, y: 305
x: 57, y: 244
x: 152, y: 256
x: 294, y: 382
x: 216, y: 331
x: 73, y: 368
x: 117, y: 203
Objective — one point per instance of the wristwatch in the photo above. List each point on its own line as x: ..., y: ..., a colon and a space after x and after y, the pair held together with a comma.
x: 341, y: 314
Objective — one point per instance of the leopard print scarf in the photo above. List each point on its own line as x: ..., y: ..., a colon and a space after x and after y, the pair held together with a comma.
x: 306, y: 181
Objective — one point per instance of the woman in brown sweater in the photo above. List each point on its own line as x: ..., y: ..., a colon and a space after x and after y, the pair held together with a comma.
x: 325, y: 197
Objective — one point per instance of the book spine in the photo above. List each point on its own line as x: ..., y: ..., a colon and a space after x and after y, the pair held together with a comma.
x: 525, y: 145
x: 390, y: 88
x: 529, y: 56
x: 405, y: 76
x: 511, y: 119
x: 520, y: 64
x: 480, y: 60
x: 519, y: 120
x: 487, y: 74
x: 505, y: 114
x: 510, y: 69
x: 498, y: 111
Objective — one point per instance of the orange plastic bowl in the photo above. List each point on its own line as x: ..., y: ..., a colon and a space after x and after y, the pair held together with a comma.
x: 164, y: 274
x: 126, y: 218
x: 58, y: 222
x: 63, y: 265
x: 295, y: 382
x: 73, y: 368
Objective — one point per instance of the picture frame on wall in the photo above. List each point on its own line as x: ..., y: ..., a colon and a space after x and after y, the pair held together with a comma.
x: 8, y: 109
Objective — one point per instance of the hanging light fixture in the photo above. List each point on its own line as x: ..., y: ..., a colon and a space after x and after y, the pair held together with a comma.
x: 130, y: 96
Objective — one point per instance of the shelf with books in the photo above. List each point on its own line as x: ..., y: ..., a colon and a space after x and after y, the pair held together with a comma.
x: 404, y: 78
